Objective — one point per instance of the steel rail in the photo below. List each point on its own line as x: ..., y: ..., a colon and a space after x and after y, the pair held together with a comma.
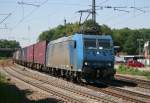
x: 77, y: 91
x: 64, y: 97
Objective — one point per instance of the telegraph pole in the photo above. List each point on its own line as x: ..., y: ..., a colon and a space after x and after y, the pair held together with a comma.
x: 139, y: 40
x: 93, y: 11
x: 90, y: 11
x: 65, y: 21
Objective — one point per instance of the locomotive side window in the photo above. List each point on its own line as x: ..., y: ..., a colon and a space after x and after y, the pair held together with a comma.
x: 75, y: 44
x: 104, y: 44
x: 90, y: 44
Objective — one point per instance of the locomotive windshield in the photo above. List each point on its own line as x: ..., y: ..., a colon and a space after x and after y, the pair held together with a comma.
x: 97, y: 44
x: 104, y: 44
x: 90, y: 44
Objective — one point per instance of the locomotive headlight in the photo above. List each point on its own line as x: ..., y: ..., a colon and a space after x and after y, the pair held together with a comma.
x: 109, y: 64
x: 86, y: 63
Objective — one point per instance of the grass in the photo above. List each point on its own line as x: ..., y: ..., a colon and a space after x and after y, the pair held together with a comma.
x: 9, y: 93
x: 3, y: 58
x: 2, y: 78
x: 6, y: 62
x: 132, y: 71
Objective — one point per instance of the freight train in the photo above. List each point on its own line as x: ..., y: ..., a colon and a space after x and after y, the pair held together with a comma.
x: 77, y: 57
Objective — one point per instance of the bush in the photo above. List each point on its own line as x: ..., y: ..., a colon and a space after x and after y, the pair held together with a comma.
x: 2, y: 78
x: 132, y: 71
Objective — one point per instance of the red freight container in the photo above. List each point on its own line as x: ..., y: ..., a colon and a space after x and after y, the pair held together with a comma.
x: 30, y: 54
x: 40, y: 52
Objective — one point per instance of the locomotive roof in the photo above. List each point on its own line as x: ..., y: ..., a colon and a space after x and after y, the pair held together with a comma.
x: 98, y: 36
x: 62, y: 39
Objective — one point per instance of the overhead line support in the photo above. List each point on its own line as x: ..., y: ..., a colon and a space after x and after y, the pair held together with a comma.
x: 5, y: 18
x: 93, y: 11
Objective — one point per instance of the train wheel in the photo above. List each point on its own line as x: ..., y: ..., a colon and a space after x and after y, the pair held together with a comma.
x: 111, y: 77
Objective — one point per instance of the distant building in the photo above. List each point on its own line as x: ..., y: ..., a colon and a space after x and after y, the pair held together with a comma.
x: 147, y: 52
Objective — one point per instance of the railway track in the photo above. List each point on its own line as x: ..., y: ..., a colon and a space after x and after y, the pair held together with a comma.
x: 117, y: 92
x: 119, y: 84
x: 124, y: 94
x: 140, y: 83
x: 89, y: 95
x: 64, y: 96
x: 72, y: 89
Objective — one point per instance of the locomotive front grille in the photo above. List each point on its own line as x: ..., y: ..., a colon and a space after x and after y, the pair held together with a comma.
x: 106, y: 64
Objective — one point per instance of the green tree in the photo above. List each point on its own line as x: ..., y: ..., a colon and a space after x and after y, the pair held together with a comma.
x: 90, y: 27
x: 121, y: 36
x: 106, y: 30
x: 8, y: 44
x: 125, y: 38
x: 131, y: 44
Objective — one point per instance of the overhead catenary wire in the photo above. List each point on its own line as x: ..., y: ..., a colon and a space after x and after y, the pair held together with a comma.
x: 5, y: 18
x: 66, y: 3
x: 139, y: 9
x: 72, y: 4
x: 103, y: 2
x: 115, y: 8
x: 24, y: 17
x: 123, y: 9
x: 3, y: 14
x: 22, y: 11
x: 78, y: 4
x: 25, y: 3
x: 126, y: 9
x: 130, y: 18
x: 11, y: 13
x: 5, y: 27
x: 31, y: 13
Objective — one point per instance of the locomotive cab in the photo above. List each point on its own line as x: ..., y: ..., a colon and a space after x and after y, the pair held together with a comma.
x: 98, y: 58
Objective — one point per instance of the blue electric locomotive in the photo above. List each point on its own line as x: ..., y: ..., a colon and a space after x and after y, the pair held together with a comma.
x: 79, y: 55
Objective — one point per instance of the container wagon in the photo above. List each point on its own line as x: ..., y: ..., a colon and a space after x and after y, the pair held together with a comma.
x: 30, y: 56
x: 40, y: 54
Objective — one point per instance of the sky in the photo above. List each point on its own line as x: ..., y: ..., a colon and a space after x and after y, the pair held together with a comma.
x: 25, y: 22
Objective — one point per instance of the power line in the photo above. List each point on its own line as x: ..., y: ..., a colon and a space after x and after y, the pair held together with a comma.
x: 130, y: 18
x: 81, y: 14
x: 104, y: 2
x: 3, y: 14
x: 5, y: 27
x: 67, y: 4
x: 29, y: 14
x: 117, y: 9
x: 89, y: 11
x: 138, y: 9
x: 25, y: 3
x: 5, y: 18
x: 123, y: 8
